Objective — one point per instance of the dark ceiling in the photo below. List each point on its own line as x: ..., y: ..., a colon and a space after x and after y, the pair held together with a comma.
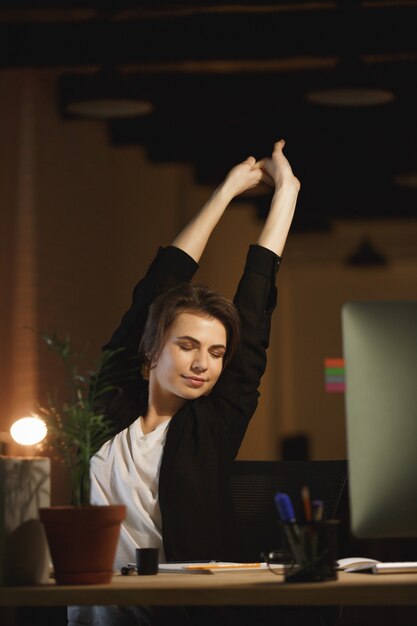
x: 226, y: 80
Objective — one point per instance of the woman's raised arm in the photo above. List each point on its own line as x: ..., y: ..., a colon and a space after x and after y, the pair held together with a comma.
x: 277, y: 225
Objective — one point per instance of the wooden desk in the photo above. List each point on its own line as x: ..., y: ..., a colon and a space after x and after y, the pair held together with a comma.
x: 245, y: 588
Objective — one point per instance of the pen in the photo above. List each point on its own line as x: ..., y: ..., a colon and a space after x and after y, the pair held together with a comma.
x: 287, y: 515
x: 305, y: 496
x: 318, y: 510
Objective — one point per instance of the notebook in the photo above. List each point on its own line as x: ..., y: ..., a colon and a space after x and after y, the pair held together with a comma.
x: 372, y: 566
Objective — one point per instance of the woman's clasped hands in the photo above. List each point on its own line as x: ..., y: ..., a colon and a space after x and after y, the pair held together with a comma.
x: 274, y: 171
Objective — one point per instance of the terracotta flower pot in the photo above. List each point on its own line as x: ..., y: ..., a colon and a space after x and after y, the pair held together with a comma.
x: 82, y: 541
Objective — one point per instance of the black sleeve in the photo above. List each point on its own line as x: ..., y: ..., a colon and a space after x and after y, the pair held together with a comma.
x: 170, y: 267
x: 237, y: 389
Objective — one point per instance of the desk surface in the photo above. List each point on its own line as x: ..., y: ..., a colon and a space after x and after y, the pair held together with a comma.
x: 240, y: 588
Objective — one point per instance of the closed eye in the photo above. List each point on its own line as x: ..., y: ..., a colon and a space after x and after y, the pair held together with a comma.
x: 186, y: 344
x: 186, y: 348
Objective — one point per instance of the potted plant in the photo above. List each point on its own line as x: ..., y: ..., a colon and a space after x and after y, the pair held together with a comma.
x: 82, y: 537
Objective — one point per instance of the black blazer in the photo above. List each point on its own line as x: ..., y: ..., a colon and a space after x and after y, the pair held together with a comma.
x: 204, y: 436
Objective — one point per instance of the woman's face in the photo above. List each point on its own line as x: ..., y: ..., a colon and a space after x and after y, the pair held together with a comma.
x: 191, y: 359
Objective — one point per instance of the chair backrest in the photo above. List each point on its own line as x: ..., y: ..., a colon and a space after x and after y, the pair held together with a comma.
x: 253, y: 486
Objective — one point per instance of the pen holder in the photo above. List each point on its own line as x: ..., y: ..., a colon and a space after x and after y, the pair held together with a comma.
x: 314, y: 547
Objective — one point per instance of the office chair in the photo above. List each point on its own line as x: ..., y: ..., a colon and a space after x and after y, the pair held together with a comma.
x: 253, y: 486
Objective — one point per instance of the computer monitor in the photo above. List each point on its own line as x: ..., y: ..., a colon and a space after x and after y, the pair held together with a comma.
x: 380, y: 352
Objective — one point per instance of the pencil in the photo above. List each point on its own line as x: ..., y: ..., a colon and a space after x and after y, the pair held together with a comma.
x: 224, y: 566
x: 305, y: 495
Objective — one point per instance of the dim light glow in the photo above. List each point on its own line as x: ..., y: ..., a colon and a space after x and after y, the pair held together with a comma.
x: 28, y: 431
x: 351, y: 97
x: 407, y: 179
x: 109, y: 108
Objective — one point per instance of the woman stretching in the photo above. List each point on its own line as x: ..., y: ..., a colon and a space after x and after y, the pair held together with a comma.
x: 182, y: 423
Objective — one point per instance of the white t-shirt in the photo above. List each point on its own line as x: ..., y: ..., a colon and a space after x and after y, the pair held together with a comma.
x: 126, y: 471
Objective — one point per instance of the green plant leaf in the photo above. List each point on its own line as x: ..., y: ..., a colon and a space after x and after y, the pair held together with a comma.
x: 78, y: 426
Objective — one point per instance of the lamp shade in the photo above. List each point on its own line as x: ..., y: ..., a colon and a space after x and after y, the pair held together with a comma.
x: 353, y: 83
x: 103, y: 95
x: 366, y: 255
x: 28, y: 430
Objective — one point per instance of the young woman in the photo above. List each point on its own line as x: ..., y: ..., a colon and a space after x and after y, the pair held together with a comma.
x: 202, y: 359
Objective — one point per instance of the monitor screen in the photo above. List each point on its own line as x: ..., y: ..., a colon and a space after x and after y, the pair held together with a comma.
x: 380, y: 352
